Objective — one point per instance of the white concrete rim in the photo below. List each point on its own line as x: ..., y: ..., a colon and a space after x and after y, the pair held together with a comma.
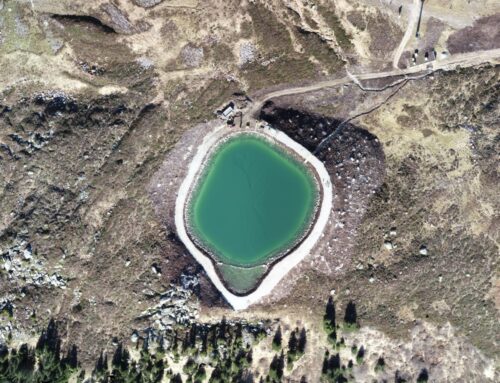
x: 288, y: 262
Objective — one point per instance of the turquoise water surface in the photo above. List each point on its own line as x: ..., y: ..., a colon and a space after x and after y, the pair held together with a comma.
x: 251, y: 202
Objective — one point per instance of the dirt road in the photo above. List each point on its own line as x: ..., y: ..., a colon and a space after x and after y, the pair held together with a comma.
x: 450, y: 63
x: 412, y: 22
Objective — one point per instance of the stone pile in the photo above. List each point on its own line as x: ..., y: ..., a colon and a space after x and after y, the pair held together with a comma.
x: 22, y: 267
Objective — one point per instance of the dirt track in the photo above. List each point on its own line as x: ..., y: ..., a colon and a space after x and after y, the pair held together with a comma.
x: 450, y: 63
x: 412, y: 22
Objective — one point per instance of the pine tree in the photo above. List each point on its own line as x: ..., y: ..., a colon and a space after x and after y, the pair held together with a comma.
x: 293, y: 342
x: 334, y: 362
x: 281, y: 365
x: 71, y: 358
x: 201, y: 373
x: 324, y: 368
x: 329, y: 318
x: 223, y: 329
x: 26, y: 360
x: 350, y: 317
x: 360, y: 355
x: 277, y: 339
x: 380, y: 365
x: 423, y: 376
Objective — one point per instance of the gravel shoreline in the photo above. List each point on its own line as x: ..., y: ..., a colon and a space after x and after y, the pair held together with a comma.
x: 281, y: 268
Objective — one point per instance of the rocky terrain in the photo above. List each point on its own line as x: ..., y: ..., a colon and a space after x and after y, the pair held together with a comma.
x: 102, y: 103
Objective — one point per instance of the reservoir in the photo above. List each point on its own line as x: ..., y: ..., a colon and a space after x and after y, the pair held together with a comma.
x: 252, y: 202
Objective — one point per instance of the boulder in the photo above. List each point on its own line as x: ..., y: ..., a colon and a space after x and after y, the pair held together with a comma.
x: 147, y: 3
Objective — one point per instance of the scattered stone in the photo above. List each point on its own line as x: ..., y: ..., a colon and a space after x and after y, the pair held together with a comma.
x: 27, y: 253
x: 134, y: 337
x: 247, y: 53
x: 6, y: 306
x: 189, y: 282
x: 147, y: 3
x: 145, y: 62
x: 388, y: 245
x: 118, y: 20
x: 176, y: 307
x: 393, y: 232
x: 192, y: 56
x: 423, y: 250
x: 24, y: 269
x: 155, y: 269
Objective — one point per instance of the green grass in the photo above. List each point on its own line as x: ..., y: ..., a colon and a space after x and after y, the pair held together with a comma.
x: 241, y: 280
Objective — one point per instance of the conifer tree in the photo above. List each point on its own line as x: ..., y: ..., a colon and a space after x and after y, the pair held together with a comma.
x: 302, y: 341
x: 293, y: 342
x: 277, y: 339
x: 350, y: 316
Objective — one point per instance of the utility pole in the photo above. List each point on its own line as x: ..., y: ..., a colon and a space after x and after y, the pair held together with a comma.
x: 419, y: 18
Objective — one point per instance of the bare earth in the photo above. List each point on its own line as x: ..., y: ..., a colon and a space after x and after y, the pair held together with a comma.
x: 103, y: 105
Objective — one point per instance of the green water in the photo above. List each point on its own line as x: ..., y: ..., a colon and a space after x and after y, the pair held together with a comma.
x: 252, y: 202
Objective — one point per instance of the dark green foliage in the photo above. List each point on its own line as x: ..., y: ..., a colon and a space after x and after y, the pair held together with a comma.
x: 71, y: 358
x: 423, y: 376
x: 398, y: 378
x: 190, y: 367
x: 334, y: 362
x: 293, y: 342
x: 331, y: 370
x: 340, y: 344
x: 120, y: 358
x: 351, y: 316
x: 26, y: 358
x: 330, y: 312
x: 360, y: 355
x: 216, y: 376
x: 222, y: 342
x: 277, y: 340
x: 332, y: 337
x: 176, y: 379
x: 302, y: 341
x: 49, y: 340
x: 380, y: 365
x: 329, y: 321
x: 324, y: 368
x: 40, y: 365
x: 277, y: 367
x: 296, y: 346
x: 101, y: 367
x: 201, y: 374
